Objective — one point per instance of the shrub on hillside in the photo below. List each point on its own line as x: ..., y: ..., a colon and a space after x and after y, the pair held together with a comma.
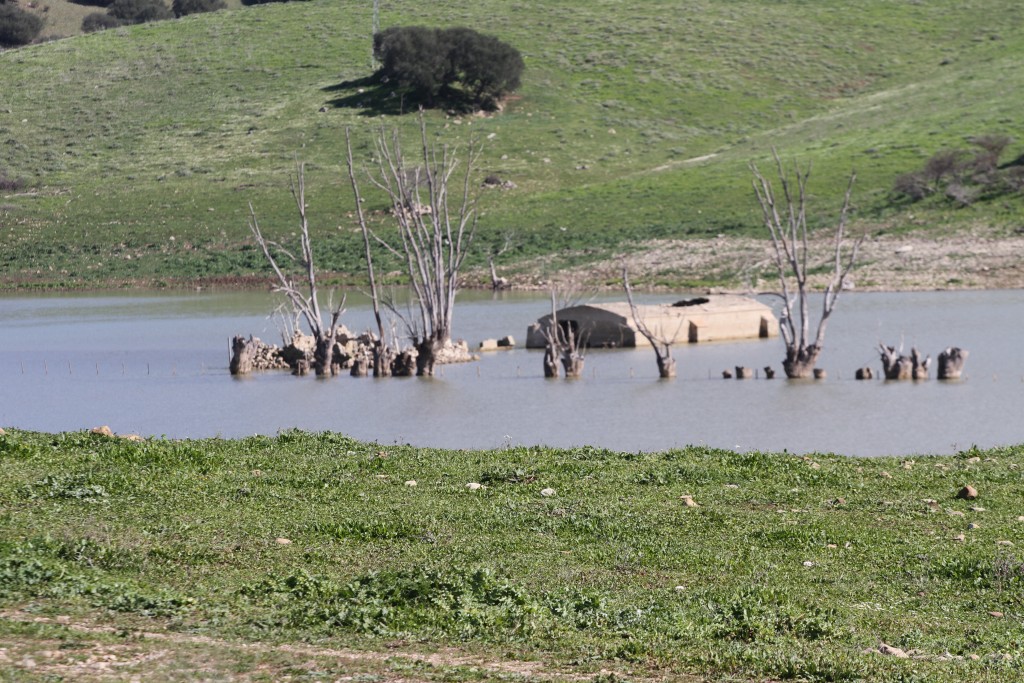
x: 963, y: 176
x: 7, y: 183
x: 448, y: 67
x: 182, y: 8
x: 17, y: 27
x: 93, y: 3
x: 261, y: 2
x: 139, y: 11
x: 99, y: 21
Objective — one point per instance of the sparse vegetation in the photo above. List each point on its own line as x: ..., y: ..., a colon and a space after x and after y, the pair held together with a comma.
x: 139, y: 11
x: 182, y: 8
x: 963, y: 176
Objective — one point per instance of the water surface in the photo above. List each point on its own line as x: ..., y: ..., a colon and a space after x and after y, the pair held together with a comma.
x: 156, y: 364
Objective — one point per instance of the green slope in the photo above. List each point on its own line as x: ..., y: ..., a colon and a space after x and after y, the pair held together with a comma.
x: 131, y: 137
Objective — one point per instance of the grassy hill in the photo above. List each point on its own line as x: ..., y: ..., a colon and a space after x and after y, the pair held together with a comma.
x: 141, y: 147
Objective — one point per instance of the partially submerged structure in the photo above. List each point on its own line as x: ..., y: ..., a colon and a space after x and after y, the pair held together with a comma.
x: 720, y: 317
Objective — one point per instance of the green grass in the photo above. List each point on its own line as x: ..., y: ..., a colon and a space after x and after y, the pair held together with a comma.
x: 790, y: 568
x: 130, y: 137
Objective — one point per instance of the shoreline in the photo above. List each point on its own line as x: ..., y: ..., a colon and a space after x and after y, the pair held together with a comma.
x: 976, y: 260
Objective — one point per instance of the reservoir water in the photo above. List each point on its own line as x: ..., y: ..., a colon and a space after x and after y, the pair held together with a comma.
x: 156, y: 364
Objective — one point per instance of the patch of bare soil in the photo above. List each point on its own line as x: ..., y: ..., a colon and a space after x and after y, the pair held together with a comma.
x: 977, y: 260
x: 82, y: 650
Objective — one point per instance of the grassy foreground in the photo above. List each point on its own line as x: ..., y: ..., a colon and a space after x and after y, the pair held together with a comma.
x: 312, y: 556
x: 141, y: 147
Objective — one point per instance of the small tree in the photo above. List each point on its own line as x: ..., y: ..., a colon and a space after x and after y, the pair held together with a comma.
x: 787, y: 226
x: 18, y: 27
x: 183, y: 8
x: 433, y: 237
x: 306, y: 304
x: 564, y: 342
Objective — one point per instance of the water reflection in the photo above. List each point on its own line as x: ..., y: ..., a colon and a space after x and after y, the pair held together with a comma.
x: 157, y: 365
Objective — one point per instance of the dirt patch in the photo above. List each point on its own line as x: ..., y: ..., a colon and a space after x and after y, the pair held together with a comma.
x: 909, y: 262
x: 83, y: 650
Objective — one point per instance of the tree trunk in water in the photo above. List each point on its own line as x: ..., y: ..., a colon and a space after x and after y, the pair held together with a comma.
x: 243, y: 351
x: 404, y: 365
x: 426, y: 356
x: 324, y: 357
x: 360, y: 366
x: 301, y: 367
x: 951, y: 363
x: 800, y: 364
x: 573, y: 363
x: 383, y: 358
x: 550, y: 361
x: 902, y: 367
x: 666, y: 367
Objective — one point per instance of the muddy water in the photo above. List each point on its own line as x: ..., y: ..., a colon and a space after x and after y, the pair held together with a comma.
x: 156, y: 364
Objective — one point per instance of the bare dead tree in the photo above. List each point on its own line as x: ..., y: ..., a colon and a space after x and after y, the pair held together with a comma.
x: 433, y: 236
x: 787, y: 226
x: 662, y: 346
x: 951, y: 362
x: 383, y: 353
x: 305, y: 302
x: 564, y: 343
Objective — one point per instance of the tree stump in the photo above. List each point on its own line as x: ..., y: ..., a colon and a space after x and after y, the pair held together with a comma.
x: 819, y: 373
x: 573, y: 363
x: 951, y: 362
x: 550, y: 362
x: 744, y: 373
x: 666, y: 367
x: 864, y: 373
x: 301, y: 367
x: 243, y: 352
x: 769, y: 372
x: 360, y: 366
x: 897, y: 367
x: 404, y: 365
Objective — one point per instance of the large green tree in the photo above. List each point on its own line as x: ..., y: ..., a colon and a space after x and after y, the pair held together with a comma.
x: 446, y: 67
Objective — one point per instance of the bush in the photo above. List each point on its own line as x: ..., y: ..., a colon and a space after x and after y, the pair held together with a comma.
x: 93, y: 3
x: 182, y: 8
x: 261, y: 2
x: 99, y: 21
x: 962, y: 177
x: 447, y: 66
x: 18, y: 27
x: 139, y: 11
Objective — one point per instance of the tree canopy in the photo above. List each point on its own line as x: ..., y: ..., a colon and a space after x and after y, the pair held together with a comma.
x: 448, y: 66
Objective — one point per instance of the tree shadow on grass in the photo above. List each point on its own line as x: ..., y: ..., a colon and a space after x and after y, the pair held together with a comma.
x: 371, y: 97
x: 374, y: 98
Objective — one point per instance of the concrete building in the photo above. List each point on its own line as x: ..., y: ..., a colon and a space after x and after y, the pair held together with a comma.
x: 719, y: 317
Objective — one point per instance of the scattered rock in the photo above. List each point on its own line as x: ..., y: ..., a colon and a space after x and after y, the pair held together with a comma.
x: 808, y: 563
x: 973, y: 657
x: 960, y: 538
x: 2, y: 432
x: 831, y: 546
x: 102, y: 431
x: 890, y: 651
x: 547, y: 493
x: 967, y: 493
x: 973, y: 525
x: 680, y: 589
x: 976, y: 508
x: 1004, y: 542
x: 973, y: 460
x: 689, y: 502
x: 132, y: 437
x: 956, y: 513
x: 474, y: 486
x: 838, y: 502
x: 489, y: 345
x: 507, y: 341
x: 732, y: 486
x: 885, y: 475
x: 283, y: 541
x: 411, y: 482
x: 1020, y: 518
x: 257, y: 473
x: 997, y: 615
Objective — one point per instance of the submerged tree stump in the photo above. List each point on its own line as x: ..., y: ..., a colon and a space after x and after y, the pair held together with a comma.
x: 769, y: 372
x: 404, y: 365
x: 896, y: 366
x: 550, y: 361
x: 951, y: 362
x: 865, y: 373
x: 243, y: 352
x: 744, y: 373
x: 666, y: 366
x: 573, y: 363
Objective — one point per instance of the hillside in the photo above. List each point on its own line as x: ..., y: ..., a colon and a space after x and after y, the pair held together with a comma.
x: 141, y: 147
